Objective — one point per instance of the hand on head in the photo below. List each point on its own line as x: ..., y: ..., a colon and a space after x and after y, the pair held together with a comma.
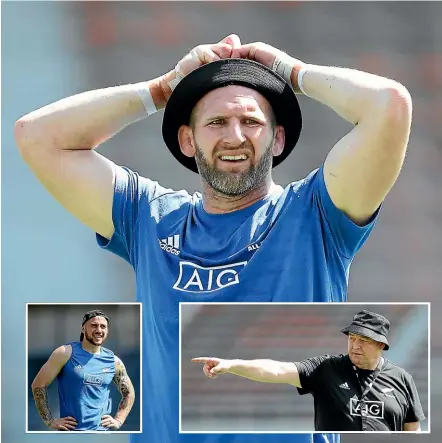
x: 203, y: 54
x: 257, y: 51
x: 228, y: 47
x: 231, y: 47
x: 271, y: 57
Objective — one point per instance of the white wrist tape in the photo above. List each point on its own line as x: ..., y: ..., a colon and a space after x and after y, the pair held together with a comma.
x: 178, y: 77
x: 301, y: 73
x: 142, y: 89
x: 283, y: 66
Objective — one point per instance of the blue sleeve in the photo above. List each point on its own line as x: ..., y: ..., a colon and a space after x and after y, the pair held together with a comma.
x: 347, y: 235
x: 131, y: 192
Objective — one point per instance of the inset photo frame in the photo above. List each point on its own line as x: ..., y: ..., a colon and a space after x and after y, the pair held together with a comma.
x: 83, y: 367
x: 304, y: 367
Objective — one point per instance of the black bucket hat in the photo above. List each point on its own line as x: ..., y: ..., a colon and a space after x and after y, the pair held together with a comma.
x: 371, y: 325
x: 227, y: 72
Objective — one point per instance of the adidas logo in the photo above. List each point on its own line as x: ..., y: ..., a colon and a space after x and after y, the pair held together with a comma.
x: 171, y: 244
x: 173, y: 241
x: 78, y: 368
x: 344, y: 385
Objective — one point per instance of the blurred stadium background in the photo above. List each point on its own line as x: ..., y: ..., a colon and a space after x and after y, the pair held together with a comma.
x: 55, y: 49
x: 50, y: 326
x: 284, y: 333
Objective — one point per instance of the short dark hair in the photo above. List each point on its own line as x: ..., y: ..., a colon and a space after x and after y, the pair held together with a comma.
x: 92, y: 314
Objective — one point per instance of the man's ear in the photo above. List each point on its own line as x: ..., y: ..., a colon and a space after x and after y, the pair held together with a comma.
x: 278, y: 145
x: 186, y: 141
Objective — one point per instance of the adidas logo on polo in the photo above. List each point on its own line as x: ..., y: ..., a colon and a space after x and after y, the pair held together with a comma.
x: 344, y: 385
x: 171, y: 244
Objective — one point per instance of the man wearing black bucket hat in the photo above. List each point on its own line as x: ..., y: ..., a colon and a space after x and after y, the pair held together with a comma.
x: 85, y: 370
x: 357, y: 391
x: 231, y: 113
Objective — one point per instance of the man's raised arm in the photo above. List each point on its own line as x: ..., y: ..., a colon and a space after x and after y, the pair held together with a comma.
x: 58, y: 140
x: 265, y: 371
x: 363, y: 166
x: 57, y: 143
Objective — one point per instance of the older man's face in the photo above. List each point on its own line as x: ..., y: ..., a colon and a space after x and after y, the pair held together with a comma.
x: 363, y: 351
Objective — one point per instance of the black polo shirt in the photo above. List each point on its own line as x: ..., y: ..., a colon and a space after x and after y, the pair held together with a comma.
x: 344, y: 401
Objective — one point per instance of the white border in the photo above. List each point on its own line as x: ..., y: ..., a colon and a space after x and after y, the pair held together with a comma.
x: 179, y: 360
x: 140, y: 394
x: 1, y: 250
x: 322, y: 304
x: 429, y: 369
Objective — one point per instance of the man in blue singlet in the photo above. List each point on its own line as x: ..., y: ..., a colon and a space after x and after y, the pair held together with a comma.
x: 85, y: 370
x: 231, y: 115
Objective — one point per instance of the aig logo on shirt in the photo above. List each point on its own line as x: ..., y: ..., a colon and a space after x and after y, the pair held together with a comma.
x: 90, y: 379
x: 195, y: 278
x: 372, y: 409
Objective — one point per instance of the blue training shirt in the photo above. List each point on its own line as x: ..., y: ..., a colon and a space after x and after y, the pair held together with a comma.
x: 293, y: 246
x: 84, y: 387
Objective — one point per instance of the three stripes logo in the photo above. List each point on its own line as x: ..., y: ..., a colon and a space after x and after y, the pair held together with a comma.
x: 171, y: 244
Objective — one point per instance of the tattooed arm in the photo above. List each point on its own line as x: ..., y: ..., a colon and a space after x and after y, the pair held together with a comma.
x: 44, y: 378
x: 42, y: 404
x: 124, y: 385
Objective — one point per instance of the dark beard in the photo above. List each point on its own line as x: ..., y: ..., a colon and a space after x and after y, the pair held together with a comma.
x: 235, y: 184
x: 90, y: 339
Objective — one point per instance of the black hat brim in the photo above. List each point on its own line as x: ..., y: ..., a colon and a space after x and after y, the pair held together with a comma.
x: 227, y: 72
x: 366, y: 332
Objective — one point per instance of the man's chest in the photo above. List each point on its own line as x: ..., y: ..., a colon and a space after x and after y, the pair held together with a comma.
x: 264, y: 262
x: 376, y: 398
x: 89, y: 374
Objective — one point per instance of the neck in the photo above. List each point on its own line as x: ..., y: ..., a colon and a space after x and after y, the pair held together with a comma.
x: 215, y: 202
x: 370, y: 365
x: 89, y: 347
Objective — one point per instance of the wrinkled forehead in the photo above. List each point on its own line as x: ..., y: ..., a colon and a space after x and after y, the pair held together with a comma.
x: 351, y: 334
x: 96, y: 320
x: 227, y: 97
